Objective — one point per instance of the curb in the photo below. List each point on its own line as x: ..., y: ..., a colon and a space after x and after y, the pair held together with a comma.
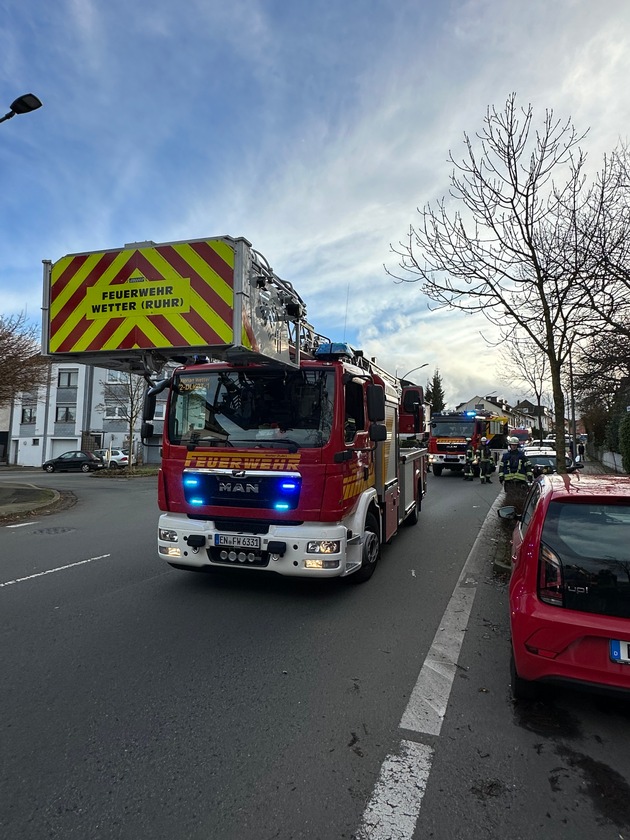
x: 50, y: 497
x: 502, y: 537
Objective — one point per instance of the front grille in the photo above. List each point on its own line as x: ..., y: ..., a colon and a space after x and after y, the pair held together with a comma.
x: 277, y: 491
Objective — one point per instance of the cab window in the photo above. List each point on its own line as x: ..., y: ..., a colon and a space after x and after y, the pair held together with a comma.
x: 355, y: 414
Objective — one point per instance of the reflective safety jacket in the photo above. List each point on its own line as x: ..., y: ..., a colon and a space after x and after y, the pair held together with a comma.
x: 483, y: 453
x: 515, y: 466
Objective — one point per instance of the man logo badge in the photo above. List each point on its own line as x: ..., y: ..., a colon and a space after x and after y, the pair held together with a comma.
x: 242, y: 487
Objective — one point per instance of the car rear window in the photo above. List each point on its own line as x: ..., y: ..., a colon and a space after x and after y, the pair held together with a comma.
x: 592, y: 543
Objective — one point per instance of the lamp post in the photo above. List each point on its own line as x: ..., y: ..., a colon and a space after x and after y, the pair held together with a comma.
x: 414, y: 369
x: 22, y: 105
x: 572, y: 417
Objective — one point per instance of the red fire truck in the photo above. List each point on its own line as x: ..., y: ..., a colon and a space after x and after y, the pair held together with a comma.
x: 280, y: 449
x: 450, y: 431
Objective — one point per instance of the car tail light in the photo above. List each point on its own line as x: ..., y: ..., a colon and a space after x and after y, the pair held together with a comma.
x: 550, y: 577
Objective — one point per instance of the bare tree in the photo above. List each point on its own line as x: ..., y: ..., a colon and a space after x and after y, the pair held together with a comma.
x: 514, y: 238
x: 22, y: 368
x: 607, y: 280
x: 524, y: 364
x: 126, y: 397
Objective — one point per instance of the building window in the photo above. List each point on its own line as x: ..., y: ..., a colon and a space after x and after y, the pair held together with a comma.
x: 35, y: 441
x: 29, y: 414
x: 66, y: 414
x: 160, y: 411
x: 68, y: 379
x: 114, y: 411
x: 117, y: 376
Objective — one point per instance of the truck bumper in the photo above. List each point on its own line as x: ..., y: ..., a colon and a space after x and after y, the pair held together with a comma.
x: 449, y: 462
x: 282, y: 549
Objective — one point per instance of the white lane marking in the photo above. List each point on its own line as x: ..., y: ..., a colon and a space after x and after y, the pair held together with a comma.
x: 429, y: 698
x: 394, y: 806
x: 21, y: 525
x: 58, y: 569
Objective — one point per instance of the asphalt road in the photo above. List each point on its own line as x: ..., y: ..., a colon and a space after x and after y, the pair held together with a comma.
x: 140, y: 702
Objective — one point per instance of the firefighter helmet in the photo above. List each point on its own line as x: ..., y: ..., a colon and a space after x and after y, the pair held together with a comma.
x: 513, y: 440
x: 484, y: 440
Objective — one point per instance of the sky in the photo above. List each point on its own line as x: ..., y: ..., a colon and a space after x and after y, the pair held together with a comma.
x: 313, y: 128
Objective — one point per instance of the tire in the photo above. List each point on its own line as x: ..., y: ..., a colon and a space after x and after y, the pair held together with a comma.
x: 437, y: 470
x: 112, y: 465
x: 49, y: 468
x: 371, y: 550
x: 521, y: 689
x: 85, y: 468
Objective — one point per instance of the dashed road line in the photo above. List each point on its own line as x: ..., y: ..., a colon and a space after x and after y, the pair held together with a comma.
x: 52, y: 571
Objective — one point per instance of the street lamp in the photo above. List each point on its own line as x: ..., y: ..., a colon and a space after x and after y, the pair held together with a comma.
x: 413, y: 369
x: 22, y: 105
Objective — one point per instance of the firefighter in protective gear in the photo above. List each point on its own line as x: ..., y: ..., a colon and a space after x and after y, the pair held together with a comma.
x: 470, y: 457
x: 516, y: 474
x: 485, y: 461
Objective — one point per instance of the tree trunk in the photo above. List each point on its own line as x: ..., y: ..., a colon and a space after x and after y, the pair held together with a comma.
x: 559, y: 407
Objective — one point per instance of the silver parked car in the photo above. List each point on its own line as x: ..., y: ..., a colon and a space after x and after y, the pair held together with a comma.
x: 115, y: 458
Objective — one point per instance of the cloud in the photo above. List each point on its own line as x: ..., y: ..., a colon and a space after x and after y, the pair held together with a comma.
x: 313, y: 129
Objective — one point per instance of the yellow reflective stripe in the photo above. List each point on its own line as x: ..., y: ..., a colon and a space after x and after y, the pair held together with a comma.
x: 217, y: 284
x: 72, y: 286
x: 205, y: 271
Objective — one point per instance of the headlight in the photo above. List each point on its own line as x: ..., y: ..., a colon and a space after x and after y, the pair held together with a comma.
x: 167, y: 535
x: 323, y: 547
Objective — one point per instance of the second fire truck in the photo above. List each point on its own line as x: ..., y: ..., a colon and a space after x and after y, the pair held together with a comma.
x: 450, y: 431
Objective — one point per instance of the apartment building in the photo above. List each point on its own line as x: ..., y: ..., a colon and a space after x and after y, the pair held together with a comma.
x: 81, y: 408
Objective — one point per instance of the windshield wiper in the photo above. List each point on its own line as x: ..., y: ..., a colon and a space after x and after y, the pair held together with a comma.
x: 208, y: 438
x: 284, y: 443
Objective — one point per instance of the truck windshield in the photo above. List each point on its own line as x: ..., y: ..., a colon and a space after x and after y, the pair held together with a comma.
x: 253, y: 407
x: 453, y: 428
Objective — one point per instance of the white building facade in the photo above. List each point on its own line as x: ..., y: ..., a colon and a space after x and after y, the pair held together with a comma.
x: 73, y: 412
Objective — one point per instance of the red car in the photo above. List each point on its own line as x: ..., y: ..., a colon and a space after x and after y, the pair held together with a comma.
x: 570, y: 585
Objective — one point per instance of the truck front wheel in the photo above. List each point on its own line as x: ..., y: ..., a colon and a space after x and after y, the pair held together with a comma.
x: 371, y: 550
x: 437, y: 470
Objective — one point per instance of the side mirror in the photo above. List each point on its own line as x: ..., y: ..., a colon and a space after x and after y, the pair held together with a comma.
x: 148, y: 410
x: 410, y: 399
x: 378, y: 432
x: 508, y: 513
x: 146, y: 430
x: 375, y: 403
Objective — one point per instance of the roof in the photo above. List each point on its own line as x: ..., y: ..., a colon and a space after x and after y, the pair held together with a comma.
x: 576, y: 486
